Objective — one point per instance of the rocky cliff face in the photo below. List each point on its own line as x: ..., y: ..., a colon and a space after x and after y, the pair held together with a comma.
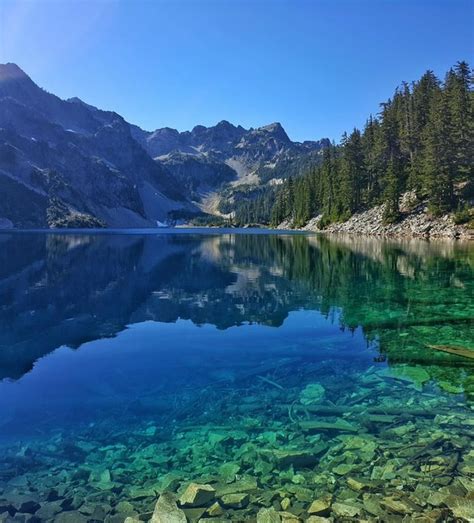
x: 66, y: 163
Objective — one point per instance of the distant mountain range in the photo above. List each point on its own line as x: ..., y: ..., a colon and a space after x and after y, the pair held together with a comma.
x: 64, y: 163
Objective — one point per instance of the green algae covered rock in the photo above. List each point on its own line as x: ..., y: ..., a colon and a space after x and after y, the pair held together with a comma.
x: 245, y: 484
x: 416, y: 374
x: 451, y: 387
x: 312, y: 393
x: 228, y: 471
x: 101, y: 479
x: 262, y: 467
x: 215, y: 510
x: 343, y: 469
x: 238, y: 500
x: 345, y: 510
x: 321, y: 506
x: 268, y: 515
x: 296, y: 458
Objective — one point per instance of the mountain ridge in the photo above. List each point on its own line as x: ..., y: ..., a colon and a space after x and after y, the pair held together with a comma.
x: 66, y: 163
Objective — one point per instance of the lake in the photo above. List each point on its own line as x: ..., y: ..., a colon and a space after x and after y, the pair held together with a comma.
x: 290, y: 376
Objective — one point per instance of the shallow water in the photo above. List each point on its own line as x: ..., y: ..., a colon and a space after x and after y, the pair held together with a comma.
x: 285, y: 368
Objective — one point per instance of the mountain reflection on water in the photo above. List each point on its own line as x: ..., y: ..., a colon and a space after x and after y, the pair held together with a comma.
x: 67, y: 289
x: 297, y: 375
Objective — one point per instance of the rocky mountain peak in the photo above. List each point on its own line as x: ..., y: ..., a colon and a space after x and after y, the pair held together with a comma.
x: 224, y: 124
x: 11, y: 71
x: 275, y: 129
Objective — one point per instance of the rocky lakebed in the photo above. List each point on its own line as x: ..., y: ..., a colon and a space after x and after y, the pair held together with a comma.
x: 382, y: 445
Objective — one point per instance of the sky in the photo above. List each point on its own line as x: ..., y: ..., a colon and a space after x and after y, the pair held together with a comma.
x: 319, y: 67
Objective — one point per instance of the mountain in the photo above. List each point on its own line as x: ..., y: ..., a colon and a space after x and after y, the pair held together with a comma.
x: 64, y: 163
x: 211, y: 159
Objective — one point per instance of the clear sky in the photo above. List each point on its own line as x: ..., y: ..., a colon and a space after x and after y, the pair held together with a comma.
x: 318, y: 67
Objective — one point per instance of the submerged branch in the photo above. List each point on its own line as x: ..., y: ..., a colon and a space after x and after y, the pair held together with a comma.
x: 451, y: 349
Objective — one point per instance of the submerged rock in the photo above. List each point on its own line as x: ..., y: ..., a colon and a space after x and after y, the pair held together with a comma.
x: 321, y: 506
x: 215, y: 510
x: 297, y: 458
x: 359, y: 484
x: 235, y: 500
x: 463, y: 508
x: 73, y: 517
x: 417, y: 375
x: 315, y: 427
x: 48, y: 510
x: 246, y: 484
x: 101, y: 479
x: 344, y: 510
x: 288, y: 517
x: 400, y: 506
x: 312, y: 393
x: 167, y: 511
x: 268, y: 515
x: 228, y: 471
x: 197, y: 495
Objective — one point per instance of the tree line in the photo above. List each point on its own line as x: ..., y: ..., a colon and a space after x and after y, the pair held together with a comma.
x: 422, y: 141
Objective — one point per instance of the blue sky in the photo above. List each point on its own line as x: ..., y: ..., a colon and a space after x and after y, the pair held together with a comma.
x: 318, y: 67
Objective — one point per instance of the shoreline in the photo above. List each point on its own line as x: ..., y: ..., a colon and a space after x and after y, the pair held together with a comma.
x: 334, y: 230
x: 414, y: 222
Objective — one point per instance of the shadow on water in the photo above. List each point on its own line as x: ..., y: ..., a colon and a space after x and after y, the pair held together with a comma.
x: 275, y: 363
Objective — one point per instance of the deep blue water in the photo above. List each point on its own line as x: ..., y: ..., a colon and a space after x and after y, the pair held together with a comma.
x: 123, y: 341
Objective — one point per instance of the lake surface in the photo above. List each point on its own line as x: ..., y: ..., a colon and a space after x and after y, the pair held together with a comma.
x: 280, y: 369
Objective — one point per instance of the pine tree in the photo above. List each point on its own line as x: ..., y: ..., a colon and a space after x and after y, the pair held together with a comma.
x: 372, y: 162
x: 391, y: 159
x: 439, y: 156
x: 352, y: 173
x: 423, y: 93
x: 460, y: 99
x: 391, y: 193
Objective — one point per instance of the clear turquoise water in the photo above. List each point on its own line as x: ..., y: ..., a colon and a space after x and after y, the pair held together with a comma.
x: 128, y: 359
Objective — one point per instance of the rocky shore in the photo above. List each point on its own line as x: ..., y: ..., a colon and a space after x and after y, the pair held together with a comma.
x: 415, y: 221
